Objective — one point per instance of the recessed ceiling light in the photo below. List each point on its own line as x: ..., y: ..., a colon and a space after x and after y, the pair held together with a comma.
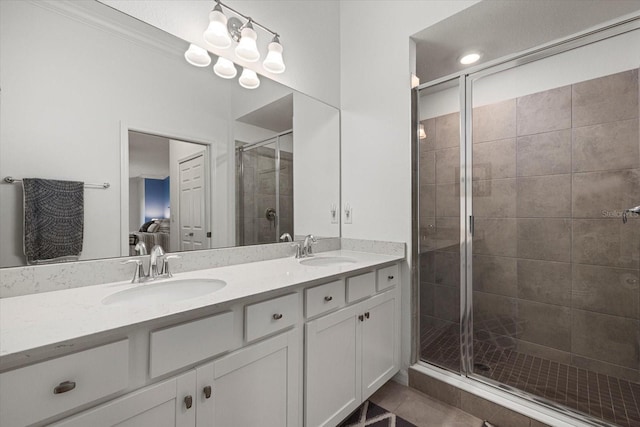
x: 470, y: 58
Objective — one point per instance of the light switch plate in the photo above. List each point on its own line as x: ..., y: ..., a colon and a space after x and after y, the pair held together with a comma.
x: 348, y: 214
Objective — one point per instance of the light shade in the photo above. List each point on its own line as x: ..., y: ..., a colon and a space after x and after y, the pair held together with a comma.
x: 247, y: 49
x: 249, y: 79
x: 273, y: 62
x: 197, y: 56
x: 216, y: 33
x: 423, y: 134
x: 225, y: 68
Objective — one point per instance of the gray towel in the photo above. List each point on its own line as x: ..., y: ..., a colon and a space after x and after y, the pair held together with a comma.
x: 53, y: 218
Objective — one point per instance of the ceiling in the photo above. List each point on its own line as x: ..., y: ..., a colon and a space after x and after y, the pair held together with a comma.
x: 276, y: 116
x: 498, y: 28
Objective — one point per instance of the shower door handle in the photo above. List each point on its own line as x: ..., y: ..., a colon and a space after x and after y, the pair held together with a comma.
x: 635, y: 210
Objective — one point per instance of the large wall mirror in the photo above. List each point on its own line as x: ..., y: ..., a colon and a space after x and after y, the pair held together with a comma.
x: 193, y: 161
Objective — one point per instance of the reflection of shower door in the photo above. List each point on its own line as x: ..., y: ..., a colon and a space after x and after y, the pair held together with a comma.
x: 265, y: 191
x: 192, y: 204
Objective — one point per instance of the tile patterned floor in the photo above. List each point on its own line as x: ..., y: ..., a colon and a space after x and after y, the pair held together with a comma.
x: 605, y: 397
x: 420, y: 409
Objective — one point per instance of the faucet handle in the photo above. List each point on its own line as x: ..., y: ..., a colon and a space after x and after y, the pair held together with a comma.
x: 165, y: 265
x: 138, y: 273
x: 298, y: 248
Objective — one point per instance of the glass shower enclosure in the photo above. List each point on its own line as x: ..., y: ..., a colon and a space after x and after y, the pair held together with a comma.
x: 264, y: 190
x: 529, y: 277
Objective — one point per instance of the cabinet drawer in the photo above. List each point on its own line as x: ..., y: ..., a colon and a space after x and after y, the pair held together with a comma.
x: 178, y: 346
x: 28, y: 394
x: 361, y: 286
x: 324, y: 298
x: 388, y: 277
x: 265, y: 318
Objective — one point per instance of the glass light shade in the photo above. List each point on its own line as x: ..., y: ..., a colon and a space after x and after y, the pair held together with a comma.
x: 216, y: 33
x: 273, y: 62
x: 423, y: 134
x: 247, y: 49
x: 249, y: 79
x: 197, y: 56
x: 225, y: 68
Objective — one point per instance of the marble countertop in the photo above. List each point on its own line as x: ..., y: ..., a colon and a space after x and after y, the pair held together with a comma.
x: 42, y: 320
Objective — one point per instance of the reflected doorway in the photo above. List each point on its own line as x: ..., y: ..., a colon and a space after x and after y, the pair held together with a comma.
x: 168, y: 194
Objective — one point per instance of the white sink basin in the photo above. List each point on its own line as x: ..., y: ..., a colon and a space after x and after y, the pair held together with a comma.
x: 327, y: 261
x: 164, y: 292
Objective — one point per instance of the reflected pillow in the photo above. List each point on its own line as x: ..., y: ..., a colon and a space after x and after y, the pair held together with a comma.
x: 153, y: 228
x: 145, y: 226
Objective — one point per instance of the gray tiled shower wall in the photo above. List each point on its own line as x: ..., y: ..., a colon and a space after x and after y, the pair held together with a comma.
x: 556, y: 272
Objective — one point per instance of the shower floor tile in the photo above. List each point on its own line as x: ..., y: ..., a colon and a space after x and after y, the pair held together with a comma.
x: 608, y: 398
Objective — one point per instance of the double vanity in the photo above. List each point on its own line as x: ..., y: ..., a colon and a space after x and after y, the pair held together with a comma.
x: 283, y: 342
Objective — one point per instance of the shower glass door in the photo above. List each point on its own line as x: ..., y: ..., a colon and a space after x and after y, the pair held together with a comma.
x: 264, y: 175
x: 529, y: 277
x: 439, y: 224
x: 556, y: 162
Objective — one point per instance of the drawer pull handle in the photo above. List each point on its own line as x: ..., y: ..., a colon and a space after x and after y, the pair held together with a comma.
x: 389, y: 277
x: 64, y: 387
x: 277, y: 316
x: 328, y: 298
x: 207, y: 392
x: 361, y: 318
x: 366, y: 315
x: 188, y: 401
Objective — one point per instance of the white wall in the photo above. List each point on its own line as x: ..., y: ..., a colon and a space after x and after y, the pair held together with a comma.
x: 136, y: 203
x: 148, y: 156
x: 375, y: 102
x: 66, y: 89
x: 316, y: 160
x: 309, y: 33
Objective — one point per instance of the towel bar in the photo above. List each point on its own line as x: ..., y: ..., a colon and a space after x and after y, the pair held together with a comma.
x: 12, y: 180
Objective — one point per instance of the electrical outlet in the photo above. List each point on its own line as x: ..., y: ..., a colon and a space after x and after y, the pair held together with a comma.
x: 333, y: 211
x: 348, y: 214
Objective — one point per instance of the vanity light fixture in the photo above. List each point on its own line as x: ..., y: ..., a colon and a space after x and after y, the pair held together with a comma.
x: 249, y: 79
x: 222, y: 32
x: 470, y: 58
x: 197, y: 56
x: 216, y: 33
x: 423, y: 134
x: 225, y: 68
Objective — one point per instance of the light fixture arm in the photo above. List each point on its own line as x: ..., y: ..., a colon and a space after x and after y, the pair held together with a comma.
x: 247, y: 18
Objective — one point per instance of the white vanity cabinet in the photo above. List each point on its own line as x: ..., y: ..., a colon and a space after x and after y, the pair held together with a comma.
x: 182, y: 401
x: 259, y: 385
x: 349, y: 354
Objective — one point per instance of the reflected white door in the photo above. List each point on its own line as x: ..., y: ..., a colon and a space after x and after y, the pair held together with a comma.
x: 193, y: 235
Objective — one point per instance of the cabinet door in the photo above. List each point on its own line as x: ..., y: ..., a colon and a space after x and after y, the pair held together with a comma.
x: 159, y: 405
x: 380, y: 342
x: 332, y: 368
x: 259, y: 384
x: 204, y: 396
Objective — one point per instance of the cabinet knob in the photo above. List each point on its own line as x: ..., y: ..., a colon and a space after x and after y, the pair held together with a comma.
x: 366, y: 315
x: 188, y: 401
x: 207, y: 392
x: 389, y: 277
x: 277, y: 316
x: 361, y: 318
x: 64, y: 387
x: 328, y: 298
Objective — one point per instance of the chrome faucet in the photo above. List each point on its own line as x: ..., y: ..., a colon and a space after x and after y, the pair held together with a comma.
x: 157, y: 254
x: 307, y: 249
x: 286, y: 237
x: 633, y: 211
